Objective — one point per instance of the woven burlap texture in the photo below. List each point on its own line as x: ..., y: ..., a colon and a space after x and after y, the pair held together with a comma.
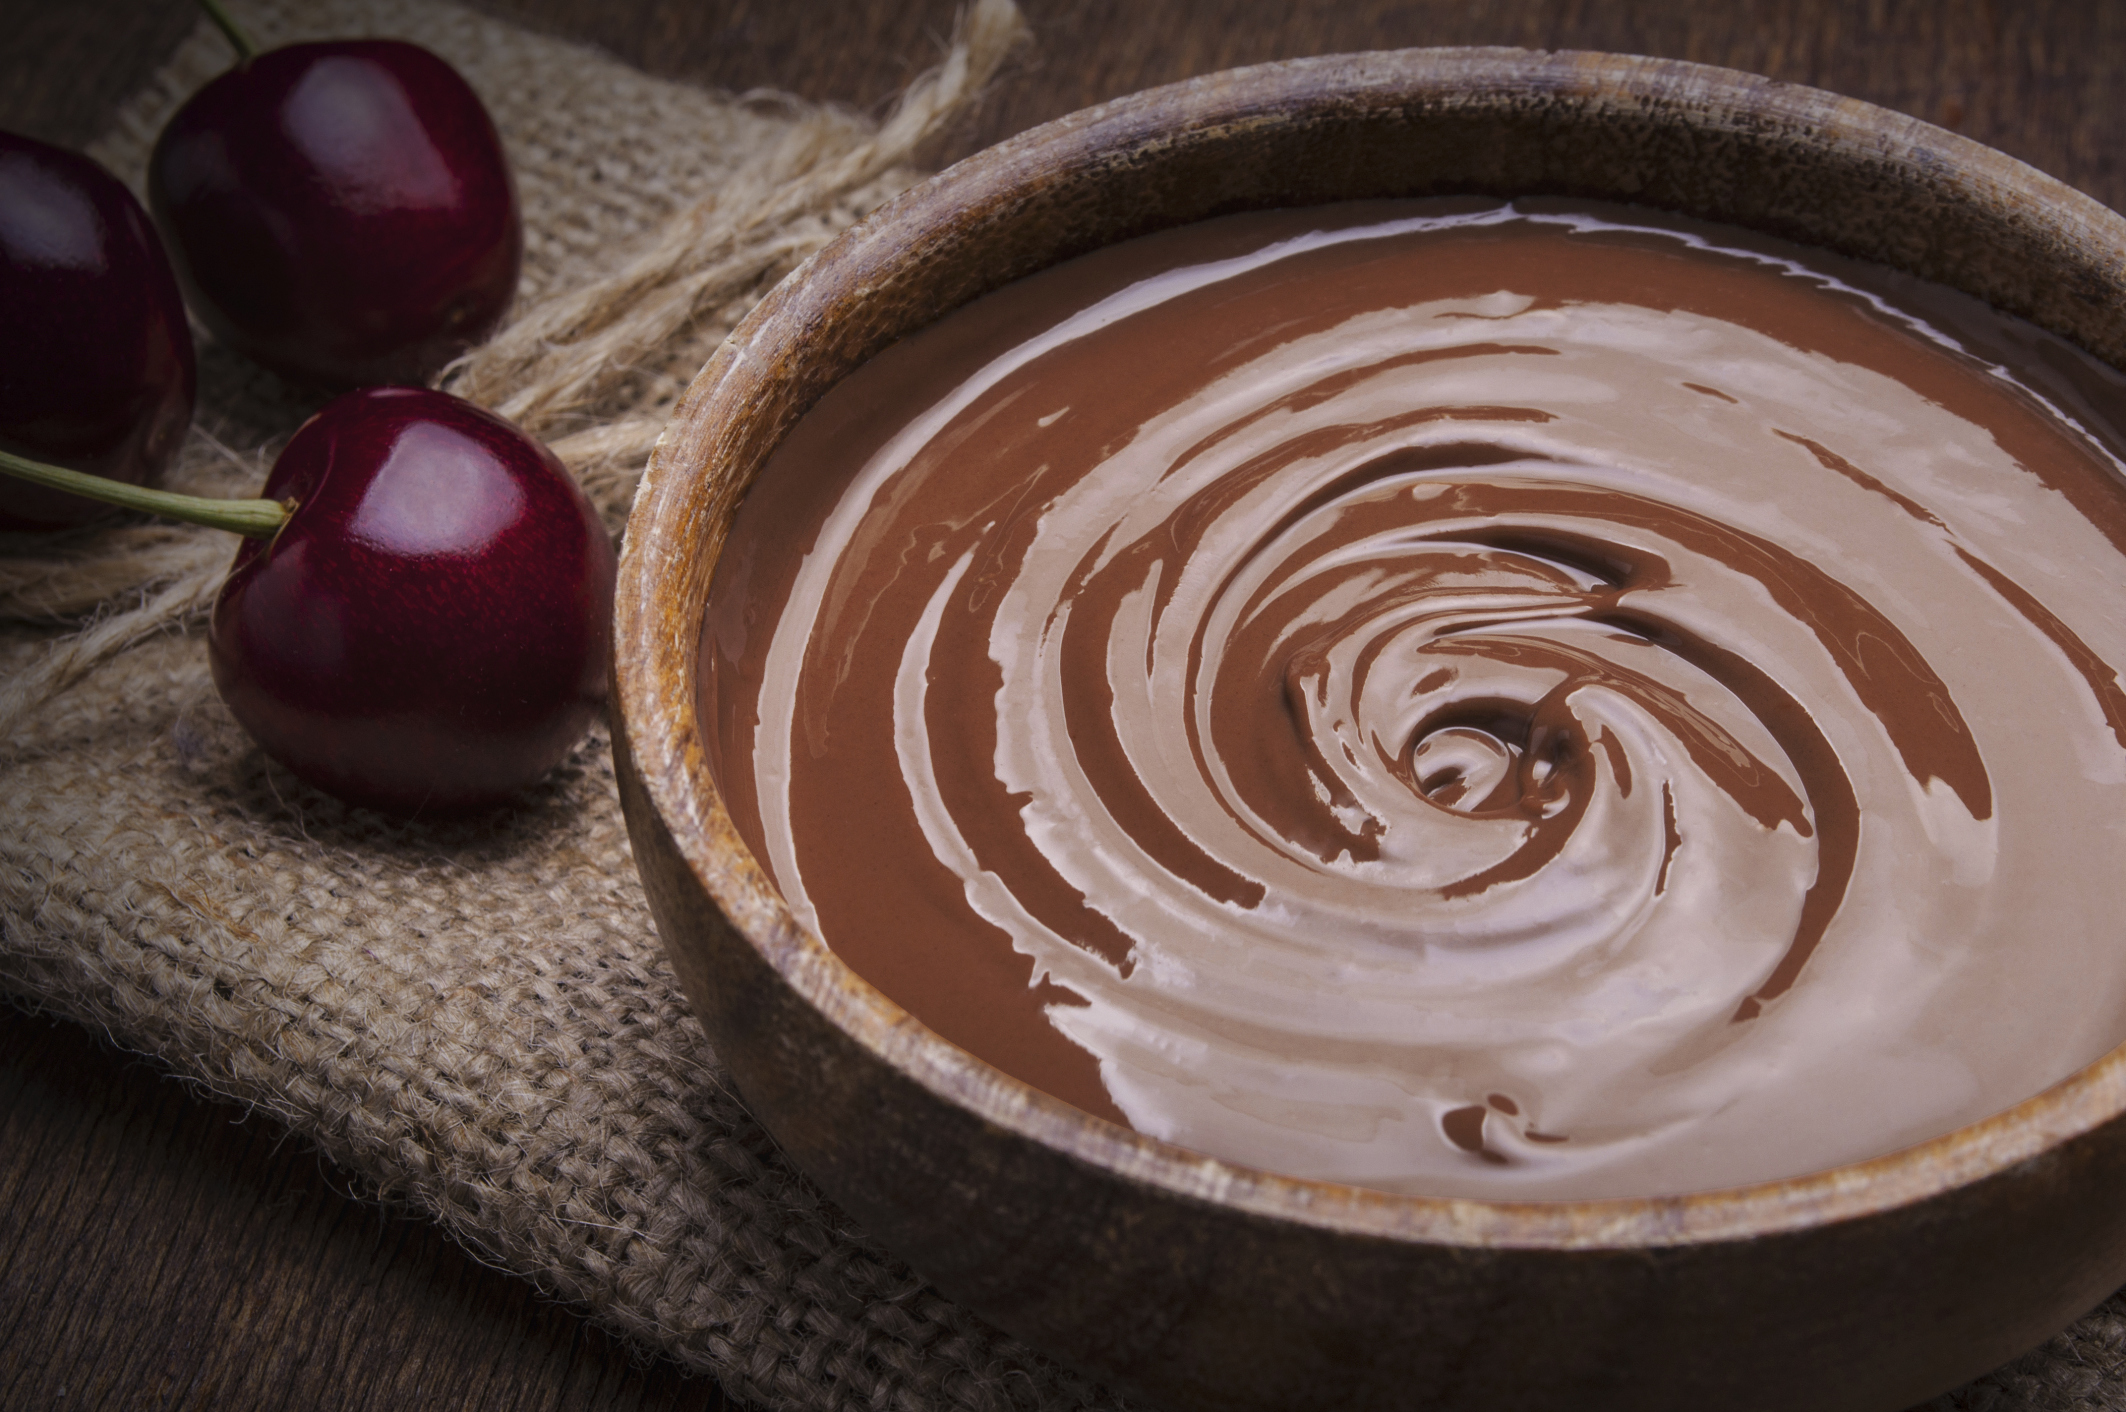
x: 477, y: 1016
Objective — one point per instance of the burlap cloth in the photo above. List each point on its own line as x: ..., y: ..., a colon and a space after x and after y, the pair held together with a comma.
x: 477, y: 1017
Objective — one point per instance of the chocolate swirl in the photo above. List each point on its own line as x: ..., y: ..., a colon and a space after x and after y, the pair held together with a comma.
x: 1453, y: 698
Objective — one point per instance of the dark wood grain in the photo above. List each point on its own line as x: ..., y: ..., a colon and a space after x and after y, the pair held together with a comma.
x: 159, y: 1251
x: 156, y: 1251
x: 2038, y: 80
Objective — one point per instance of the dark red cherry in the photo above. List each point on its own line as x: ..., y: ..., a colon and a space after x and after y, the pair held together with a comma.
x: 340, y: 212
x: 428, y: 632
x: 96, y: 369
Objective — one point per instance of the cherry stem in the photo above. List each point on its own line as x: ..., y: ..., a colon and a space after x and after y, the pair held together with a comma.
x: 257, y: 519
x: 246, y: 51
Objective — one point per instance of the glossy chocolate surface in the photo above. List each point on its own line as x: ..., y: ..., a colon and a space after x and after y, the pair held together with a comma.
x: 1457, y: 700
x: 96, y: 363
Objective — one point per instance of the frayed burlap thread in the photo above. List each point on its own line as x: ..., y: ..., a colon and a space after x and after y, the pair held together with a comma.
x: 476, y: 1016
x: 655, y: 215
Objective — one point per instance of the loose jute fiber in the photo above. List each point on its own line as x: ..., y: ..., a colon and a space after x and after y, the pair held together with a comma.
x: 477, y: 1016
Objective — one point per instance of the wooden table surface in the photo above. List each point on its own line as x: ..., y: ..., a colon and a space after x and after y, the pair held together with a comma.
x: 162, y: 1250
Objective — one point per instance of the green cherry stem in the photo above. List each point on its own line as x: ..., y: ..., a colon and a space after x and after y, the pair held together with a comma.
x: 257, y: 519
x: 246, y: 51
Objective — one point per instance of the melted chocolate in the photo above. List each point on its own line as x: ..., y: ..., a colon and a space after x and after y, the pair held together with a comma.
x: 1534, y: 701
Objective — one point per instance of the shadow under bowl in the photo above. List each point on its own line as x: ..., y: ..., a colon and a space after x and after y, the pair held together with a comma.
x: 1202, y: 1284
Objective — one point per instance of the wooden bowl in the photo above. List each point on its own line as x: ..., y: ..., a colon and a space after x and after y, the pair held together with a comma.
x: 1202, y: 1284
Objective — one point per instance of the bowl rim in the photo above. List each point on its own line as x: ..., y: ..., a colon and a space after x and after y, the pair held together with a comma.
x: 657, y: 647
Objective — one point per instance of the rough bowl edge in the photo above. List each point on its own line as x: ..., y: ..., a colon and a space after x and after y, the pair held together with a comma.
x: 657, y: 629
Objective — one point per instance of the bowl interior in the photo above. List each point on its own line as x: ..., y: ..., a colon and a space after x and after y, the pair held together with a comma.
x: 1708, y: 143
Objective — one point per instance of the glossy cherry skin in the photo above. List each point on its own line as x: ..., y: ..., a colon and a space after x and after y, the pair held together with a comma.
x: 96, y: 366
x: 340, y: 212
x: 428, y: 633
